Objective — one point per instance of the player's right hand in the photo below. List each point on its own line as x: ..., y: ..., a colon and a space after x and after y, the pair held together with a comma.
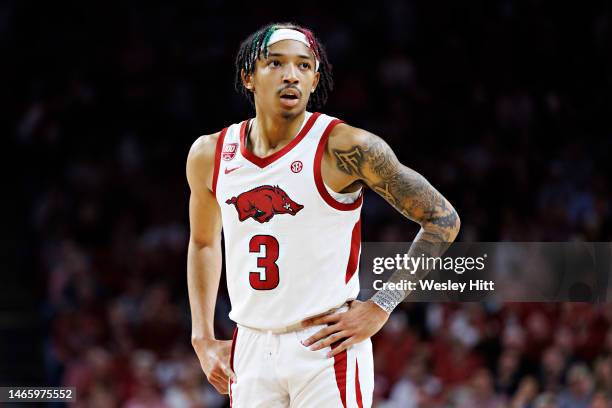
x: 214, y: 356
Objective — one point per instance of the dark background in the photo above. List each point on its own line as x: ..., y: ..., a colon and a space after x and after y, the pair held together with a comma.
x: 503, y: 105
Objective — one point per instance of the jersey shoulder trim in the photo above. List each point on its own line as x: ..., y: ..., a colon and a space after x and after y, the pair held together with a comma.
x: 319, y: 178
x: 264, y: 161
x: 218, y: 150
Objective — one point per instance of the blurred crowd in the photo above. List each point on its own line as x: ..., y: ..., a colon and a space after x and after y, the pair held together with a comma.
x: 500, y: 104
x: 515, y: 355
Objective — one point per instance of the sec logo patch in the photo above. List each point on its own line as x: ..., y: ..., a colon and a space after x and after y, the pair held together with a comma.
x: 296, y: 166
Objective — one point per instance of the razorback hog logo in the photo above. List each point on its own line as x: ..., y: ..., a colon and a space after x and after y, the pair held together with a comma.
x: 261, y: 203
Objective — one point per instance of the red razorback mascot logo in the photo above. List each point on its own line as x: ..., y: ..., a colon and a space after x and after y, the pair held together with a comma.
x: 261, y: 203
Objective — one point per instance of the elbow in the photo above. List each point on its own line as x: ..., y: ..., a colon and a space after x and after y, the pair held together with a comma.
x: 444, y: 226
x: 201, y: 242
x: 450, y: 221
x: 451, y: 225
x: 457, y: 226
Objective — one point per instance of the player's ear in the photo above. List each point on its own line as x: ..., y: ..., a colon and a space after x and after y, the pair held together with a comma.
x: 315, y: 82
x: 247, y: 80
x: 316, y: 79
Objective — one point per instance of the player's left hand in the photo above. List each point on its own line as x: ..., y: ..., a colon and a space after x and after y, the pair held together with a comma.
x: 360, y: 322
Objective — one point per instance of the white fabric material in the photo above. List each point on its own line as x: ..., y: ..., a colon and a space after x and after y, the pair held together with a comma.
x: 346, y: 198
x: 290, y: 34
x: 312, y: 245
x: 279, y: 371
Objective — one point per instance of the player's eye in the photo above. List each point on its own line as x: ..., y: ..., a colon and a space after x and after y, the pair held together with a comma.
x: 274, y: 63
x: 305, y: 65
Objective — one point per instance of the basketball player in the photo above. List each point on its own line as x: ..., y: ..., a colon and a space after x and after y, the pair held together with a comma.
x: 286, y: 188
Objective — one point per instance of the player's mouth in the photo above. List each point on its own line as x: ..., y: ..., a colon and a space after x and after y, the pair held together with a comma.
x: 290, y: 97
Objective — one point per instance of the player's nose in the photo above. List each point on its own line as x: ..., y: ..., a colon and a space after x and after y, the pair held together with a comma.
x: 290, y: 74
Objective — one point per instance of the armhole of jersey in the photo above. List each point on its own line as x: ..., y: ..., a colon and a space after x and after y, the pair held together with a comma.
x: 319, y: 178
x: 218, y: 150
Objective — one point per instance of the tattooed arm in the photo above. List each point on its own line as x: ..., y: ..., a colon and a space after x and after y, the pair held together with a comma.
x: 355, y: 157
x: 361, y: 157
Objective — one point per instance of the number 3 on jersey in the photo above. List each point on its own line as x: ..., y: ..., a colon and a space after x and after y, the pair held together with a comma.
x: 268, y: 262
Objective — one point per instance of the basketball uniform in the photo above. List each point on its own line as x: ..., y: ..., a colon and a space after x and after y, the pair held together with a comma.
x: 292, y: 249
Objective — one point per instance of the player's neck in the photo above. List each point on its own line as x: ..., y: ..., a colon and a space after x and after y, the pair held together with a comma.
x: 269, y: 132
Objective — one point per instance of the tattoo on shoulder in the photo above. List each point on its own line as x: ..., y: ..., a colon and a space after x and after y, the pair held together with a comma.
x: 349, y: 162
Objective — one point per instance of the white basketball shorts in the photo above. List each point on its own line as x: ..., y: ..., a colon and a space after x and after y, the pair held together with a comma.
x: 276, y: 370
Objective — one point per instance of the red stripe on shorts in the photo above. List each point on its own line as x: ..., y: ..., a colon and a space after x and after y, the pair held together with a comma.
x: 357, y: 385
x: 340, y: 370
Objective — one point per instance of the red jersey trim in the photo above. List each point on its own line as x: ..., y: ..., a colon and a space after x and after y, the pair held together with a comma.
x: 319, y: 179
x: 264, y: 161
x: 218, y: 150
x: 340, y: 371
x: 353, y: 260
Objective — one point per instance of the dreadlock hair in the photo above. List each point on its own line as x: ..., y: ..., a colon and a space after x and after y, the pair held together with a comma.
x: 257, y: 44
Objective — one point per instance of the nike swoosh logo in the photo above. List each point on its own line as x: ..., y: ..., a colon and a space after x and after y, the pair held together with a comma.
x: 228, y: 171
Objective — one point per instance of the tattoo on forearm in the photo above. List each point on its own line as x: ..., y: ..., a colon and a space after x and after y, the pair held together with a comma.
x: 412, y: 195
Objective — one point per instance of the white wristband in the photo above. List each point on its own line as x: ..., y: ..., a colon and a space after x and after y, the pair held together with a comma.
x: 388, y: 300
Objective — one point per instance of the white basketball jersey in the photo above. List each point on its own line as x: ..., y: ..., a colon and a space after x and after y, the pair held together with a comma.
x: 291, y: 249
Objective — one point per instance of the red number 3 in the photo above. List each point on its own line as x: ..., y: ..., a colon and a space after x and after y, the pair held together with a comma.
x: 268, y: 262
